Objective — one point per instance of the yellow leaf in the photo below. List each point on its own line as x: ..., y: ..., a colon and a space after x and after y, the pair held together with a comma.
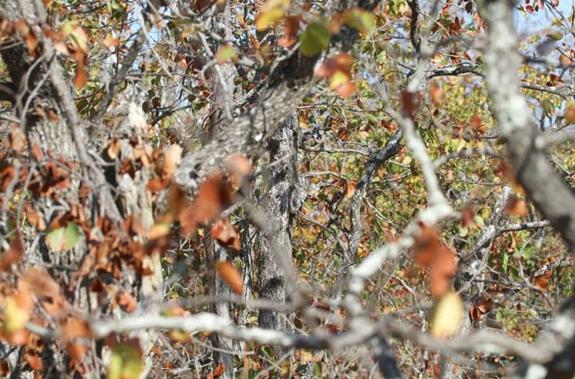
x: 64, y: 238
x: 447, y: 316
x: 15, y: 317
x: 338, y: 78
x: 127, y: 361
x: 271, y: 13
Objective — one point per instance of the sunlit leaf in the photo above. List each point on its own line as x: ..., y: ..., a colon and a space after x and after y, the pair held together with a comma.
x: 226, y: 54
x: 359, y: 19
x: 127, y: 361
x: 271, y: 12
x: 64, y: 238
x: 15, y: 316
x: 446, y: 316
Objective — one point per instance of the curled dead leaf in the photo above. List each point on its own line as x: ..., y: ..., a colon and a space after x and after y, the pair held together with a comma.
x: 431, y: 253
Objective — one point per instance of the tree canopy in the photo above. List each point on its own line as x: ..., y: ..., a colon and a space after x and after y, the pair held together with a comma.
x: 287, y: 188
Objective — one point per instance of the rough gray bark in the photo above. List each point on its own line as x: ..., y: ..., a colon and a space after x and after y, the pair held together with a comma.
x: 277, y: 202
x: 550, y: 194
x: 223, y: 102
x: 544, y: 186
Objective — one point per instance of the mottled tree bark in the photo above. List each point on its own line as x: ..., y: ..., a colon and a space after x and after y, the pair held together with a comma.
x: 277, y: 203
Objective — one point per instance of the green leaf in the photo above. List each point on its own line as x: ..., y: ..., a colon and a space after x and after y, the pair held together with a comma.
x: 64, y: 238
x: 361, y: 20
x: 225, y: 54
x: 126, y: 362
x: 314, y: 39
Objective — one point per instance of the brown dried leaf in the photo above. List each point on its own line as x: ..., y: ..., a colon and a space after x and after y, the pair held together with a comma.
x: 17, y: 139
x: 34, y: 218
x: 291, y: 27
x: 410, y: 102
x: 226, y: 234
x: 542, y: 281
x: 516, y: 207
x: 430, y: 252
x: 14, y: 253
x: 570, y: 114
x: 467, y: 216
x: 435, y: 93
x: 238, y: 167
x: 213, y: 196
x: 81, y: 78
x: 126, y: 301
x: 477, y: 124
x: 37, y: 152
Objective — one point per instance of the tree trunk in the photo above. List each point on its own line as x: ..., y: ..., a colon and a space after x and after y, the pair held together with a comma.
x: 277, y: 203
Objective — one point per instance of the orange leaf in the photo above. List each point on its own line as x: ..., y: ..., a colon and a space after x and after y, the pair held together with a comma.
x: 110, y: 41
x: 435, y: 93
x: 213, y: 196
x: 350, y: 188
x: 570, y: 114
x: 30, y: 39
x: 218, y: 371
x: 477, y: 124
x: 231, y: 276
x: 14, y: 253
x: 516, y: 207
x: 291, y: 27
x: 346, y: 89
x: 340, y: 62
x: 158, y: 184
x: 81, y: 78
